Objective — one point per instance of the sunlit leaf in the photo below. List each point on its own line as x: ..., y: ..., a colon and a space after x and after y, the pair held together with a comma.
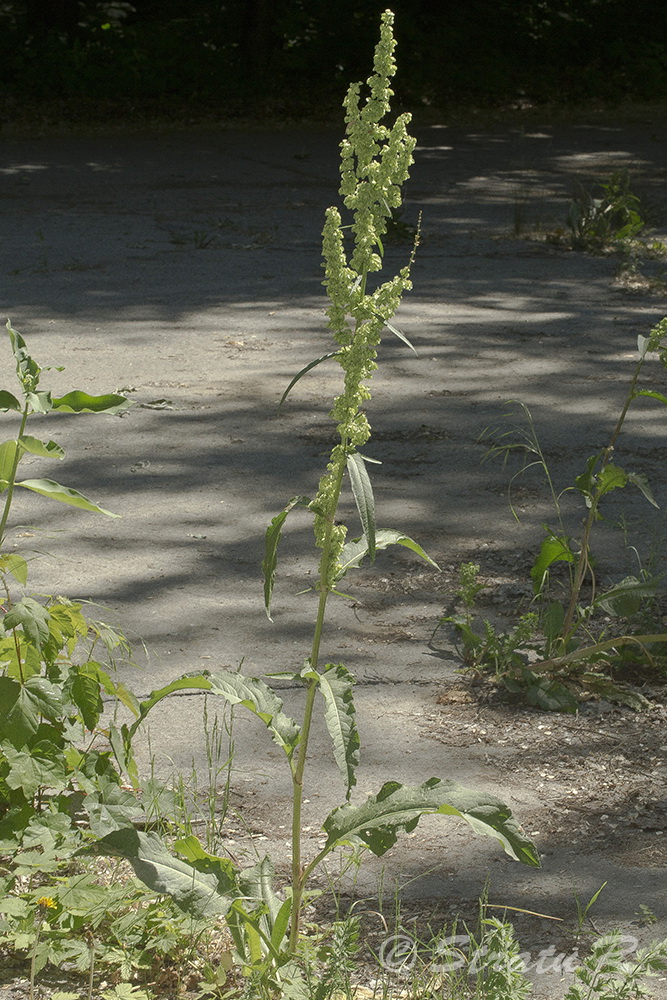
x: 32, y: 617
x: 555, y: 548
x: 46, y: 449
x: 48, y: 488
x: 8, y: 401
x: 15, y: 564
x: 401, y: 336
x: 335, y: 685
x: 397, y: 807
x: 81, y: 402
x: 364, y: 499
x: 354, y: 551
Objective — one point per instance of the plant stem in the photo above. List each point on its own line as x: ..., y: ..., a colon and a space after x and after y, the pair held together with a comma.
x: 583, y: 563
x: 298, y: 876
x: 12, y: 478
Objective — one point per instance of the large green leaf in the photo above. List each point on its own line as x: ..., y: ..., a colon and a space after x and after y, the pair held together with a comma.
x: 397, y: 807
x: 195, y: 892
x: 336, y: 687
x: 84, y: 690
x: 33, y: 769
x: 7, y: 459
x: 32, y: 617
x: 354, y: 551
x: 555, y: 548
x: 108, y: 806
x: 64, y: 494
x: 272, y: 541
x: 364, y: 499
x: 80, y: 402
x: 22, y: 707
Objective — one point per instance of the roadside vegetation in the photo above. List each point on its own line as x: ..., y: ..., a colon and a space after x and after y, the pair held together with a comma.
x: 112, y: 885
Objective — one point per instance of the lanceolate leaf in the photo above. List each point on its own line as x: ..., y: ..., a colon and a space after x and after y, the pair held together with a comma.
x: 653, y: 394
x: 272, y: 541
x: 355, y: 550
x: 80, y: 402
x: 401, y: 336
x: 195, y: 892
x: 397, y: 807
x: 363, y: 495
x: 64, y: 494
x: 336, y: 687
x: 309, y: 367
x: 641, y: 482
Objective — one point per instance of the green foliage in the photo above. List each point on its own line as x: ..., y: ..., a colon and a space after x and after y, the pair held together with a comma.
x: 561, y: 664
x: 599, y: 222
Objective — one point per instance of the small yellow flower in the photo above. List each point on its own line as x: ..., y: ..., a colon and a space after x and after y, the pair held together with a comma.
x: 47, y: 902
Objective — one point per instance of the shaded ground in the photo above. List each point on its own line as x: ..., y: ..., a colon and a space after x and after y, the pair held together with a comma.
x: 185, y: 269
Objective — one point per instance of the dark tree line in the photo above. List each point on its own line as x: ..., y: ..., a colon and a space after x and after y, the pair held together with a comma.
x: 298, y: 55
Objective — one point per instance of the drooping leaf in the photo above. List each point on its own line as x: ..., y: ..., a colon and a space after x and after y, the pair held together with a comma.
x: 639, y: 480
x: 64, y: 494
x: 45, y: 449
x: 401, y: 336
x: 304, y: 371
x: 258, y: 697
x: 15, y: 564
x: 397, y: 807
x: 555, y: 548
x: 272, y: 541
x: 81, y: 402
x: 32, y: 617
x: 363, y: 496
x: 193, y: 891
x: 653, y: 394
x: 8, y: 401
x: 354, y: 551
x: 84, y: 690
x: 335, y: 685
x: 108, y: 806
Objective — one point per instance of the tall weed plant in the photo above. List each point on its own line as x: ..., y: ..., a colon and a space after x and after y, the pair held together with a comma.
x: 266, y: 924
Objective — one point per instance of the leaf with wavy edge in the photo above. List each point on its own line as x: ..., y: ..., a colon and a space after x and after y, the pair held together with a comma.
x: 336, y: 688
x: 397, y: 807
x: 356, y: 549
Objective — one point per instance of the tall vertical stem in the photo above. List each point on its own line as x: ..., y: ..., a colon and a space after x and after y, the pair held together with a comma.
x: 12, y: 478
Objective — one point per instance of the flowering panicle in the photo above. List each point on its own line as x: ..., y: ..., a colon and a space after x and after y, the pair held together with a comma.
x: 375, y: 161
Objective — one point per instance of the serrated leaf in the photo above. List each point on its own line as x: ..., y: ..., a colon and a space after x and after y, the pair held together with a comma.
x: 397, y: 807
x: 304, y: 371
x: 8, y: 401
x: 45, y: 449
x: 401, y: 336
x: 16, y: 565
x: 33, y: 769
x: 48, y: 488
x: 22, y: 707
x: 555, y: 548
x: 335, y: 684
x: 32, y: 617
x: 363, y: 496
x: 84, y: 690
x: 354, y: 551
x: 81, y: 402
x: 195, y: 892
x: 612, y: 477
x: 272, y: 540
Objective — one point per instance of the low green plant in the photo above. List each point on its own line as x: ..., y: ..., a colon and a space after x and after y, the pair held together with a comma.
x: 58, y: 765
x: 267, y: 925
x: 562, y: 637
x: 598, y: 221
